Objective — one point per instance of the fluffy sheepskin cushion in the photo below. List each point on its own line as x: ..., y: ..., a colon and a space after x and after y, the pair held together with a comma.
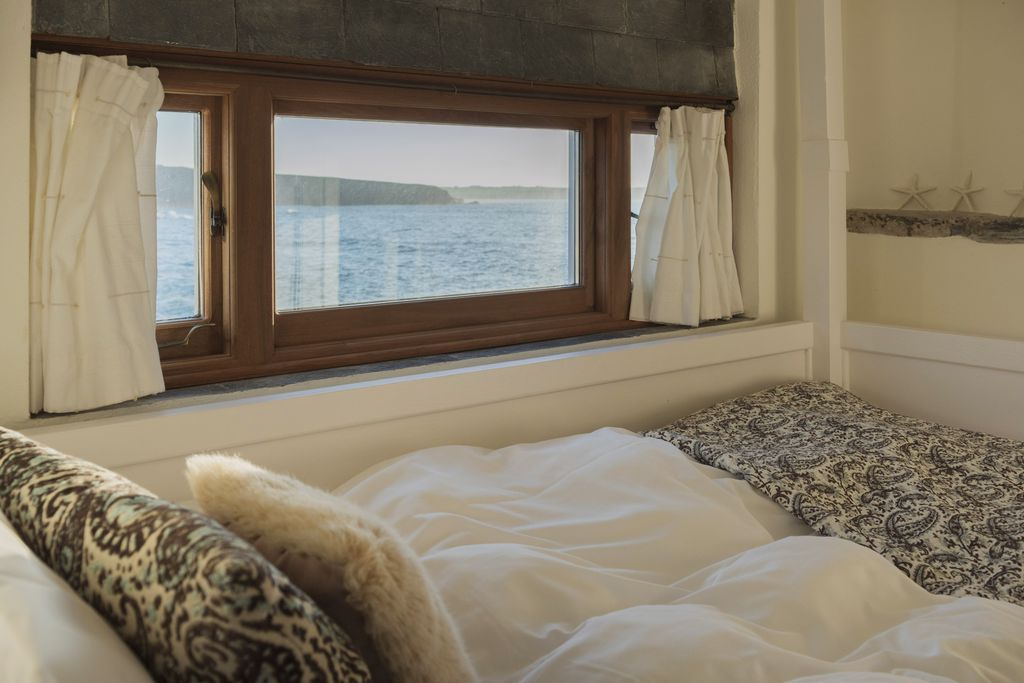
x: 344, y: 558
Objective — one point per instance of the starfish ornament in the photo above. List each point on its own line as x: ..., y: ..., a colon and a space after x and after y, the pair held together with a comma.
x: 1017, y: 193
x: 913, y: 193
x: 965, y: 191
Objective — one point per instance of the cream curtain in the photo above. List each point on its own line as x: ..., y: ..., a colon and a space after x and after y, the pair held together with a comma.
x: 93, y: 241
x: 684, y: 270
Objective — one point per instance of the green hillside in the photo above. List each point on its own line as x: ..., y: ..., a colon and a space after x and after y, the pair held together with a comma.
x: 175, y: 187
x: 507, y: 193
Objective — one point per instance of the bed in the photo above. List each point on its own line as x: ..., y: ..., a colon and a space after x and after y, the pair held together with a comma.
x: 614, y: 556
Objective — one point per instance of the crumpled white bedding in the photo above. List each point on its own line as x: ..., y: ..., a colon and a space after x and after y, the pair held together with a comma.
x: 610, y: 557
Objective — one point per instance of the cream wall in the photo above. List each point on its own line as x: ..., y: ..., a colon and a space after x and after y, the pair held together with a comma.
x: 900, y: 63
x: 951, y: 284
x: 15, y: 19
x: 932, y: 88
x: 990, y: 99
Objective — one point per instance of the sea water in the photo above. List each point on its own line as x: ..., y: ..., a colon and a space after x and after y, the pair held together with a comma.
x: 331, y: 256
x: 328, y: 256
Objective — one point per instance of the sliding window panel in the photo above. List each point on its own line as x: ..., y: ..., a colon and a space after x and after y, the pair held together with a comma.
x: 641, y: 158
x: 178, y: 219
x: 190, y: 273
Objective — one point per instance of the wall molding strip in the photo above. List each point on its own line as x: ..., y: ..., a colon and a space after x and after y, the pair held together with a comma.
x: 991, y: 353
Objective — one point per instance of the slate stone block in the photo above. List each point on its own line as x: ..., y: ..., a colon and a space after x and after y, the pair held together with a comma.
x: 609, y: 15
x: 466, y: 5
x: 557, y: 53
x: 709, y: 21
x: 479, y: 43
x: 298, y: 28
x: 206, y: 24
x: 725, y: 65
x: 386, y: 33
x: 657, y: 18
x: 686, y: 68
x: 540, y: 10
x: 626, y: 61
x: 71, y: 18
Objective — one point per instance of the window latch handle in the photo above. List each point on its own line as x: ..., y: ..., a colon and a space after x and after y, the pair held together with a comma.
x: 218, y: 219
x: 188, y: 337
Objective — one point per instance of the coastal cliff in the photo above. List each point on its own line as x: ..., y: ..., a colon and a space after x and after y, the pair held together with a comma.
x: 317, y: 191
x: 175, y: 188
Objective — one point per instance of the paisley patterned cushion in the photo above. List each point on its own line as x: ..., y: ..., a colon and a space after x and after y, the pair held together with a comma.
x: 194, y: 602
x: 945, y: 505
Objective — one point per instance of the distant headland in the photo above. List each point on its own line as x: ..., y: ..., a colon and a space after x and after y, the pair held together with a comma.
x: 176, y: 188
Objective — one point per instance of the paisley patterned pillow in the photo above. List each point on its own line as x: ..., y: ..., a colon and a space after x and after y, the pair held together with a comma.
x: 194, y: 601
x: 944, y: 504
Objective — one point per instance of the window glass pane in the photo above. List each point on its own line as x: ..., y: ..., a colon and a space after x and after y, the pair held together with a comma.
x: 177, y: 218
x: 375, y: 211
x: 641, y: 158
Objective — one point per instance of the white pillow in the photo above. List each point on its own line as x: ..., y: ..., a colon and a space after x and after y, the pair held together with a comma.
x: 343, y: 557
x: 47, y: 633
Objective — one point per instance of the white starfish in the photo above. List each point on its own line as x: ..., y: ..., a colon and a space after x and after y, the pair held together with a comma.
x: 1017, y: 193
x: 965, y: 191
x: 913, y: 192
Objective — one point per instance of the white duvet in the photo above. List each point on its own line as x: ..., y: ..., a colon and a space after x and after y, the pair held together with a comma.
x: 610, y: 557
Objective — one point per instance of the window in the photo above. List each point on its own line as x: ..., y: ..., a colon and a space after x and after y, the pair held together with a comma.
x: 375, y: 211
x: 189, y: 299
x: 178, y: 220
x: 641, y: 147
x: 369, y: 222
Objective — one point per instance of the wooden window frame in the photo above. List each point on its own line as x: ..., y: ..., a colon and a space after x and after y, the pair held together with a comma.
x: 368, y: 326
x: 240, y: 95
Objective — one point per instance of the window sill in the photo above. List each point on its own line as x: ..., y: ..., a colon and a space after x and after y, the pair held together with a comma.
x: 211, y: 394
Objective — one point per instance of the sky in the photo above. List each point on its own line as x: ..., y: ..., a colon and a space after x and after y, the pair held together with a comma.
x: 433, y: 154
x: 641, y: 157
x: 176, y: 142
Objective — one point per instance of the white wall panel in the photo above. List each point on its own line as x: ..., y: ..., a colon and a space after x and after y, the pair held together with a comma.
x: 971, y: 382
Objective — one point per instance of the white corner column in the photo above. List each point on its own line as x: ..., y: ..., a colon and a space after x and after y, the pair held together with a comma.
x: 824, y: 164
x: 15, y: 34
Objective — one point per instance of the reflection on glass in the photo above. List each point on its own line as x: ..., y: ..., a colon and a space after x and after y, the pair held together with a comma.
x: 641, y: 159
x: 177, y: 217
x: 375, y: 211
